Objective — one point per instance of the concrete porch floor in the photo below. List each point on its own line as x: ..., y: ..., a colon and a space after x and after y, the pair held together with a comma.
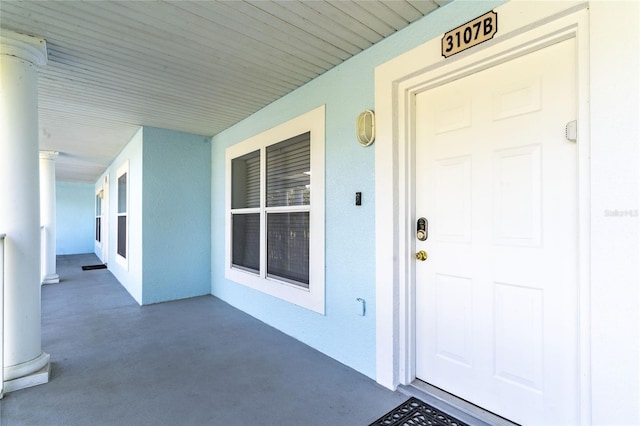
x: 197, y: 361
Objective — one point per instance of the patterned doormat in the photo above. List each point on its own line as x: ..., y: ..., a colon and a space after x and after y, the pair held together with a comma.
x: 414, y: 412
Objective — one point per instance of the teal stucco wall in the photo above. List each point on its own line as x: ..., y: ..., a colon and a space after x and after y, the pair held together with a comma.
x: 176, y: 203
x: 350, y: 238
x: 75, y: 207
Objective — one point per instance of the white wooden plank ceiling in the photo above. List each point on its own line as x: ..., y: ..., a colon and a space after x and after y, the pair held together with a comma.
x: 194, y: 66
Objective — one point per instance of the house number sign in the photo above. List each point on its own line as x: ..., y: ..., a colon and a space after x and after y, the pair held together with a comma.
x: 472, y: 33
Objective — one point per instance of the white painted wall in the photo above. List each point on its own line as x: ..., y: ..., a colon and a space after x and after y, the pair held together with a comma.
x: 615, y: 206
x: 130, y: 277
x: 172, y: 170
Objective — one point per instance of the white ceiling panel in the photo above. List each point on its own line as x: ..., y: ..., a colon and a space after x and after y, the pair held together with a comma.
x: 194, y: 66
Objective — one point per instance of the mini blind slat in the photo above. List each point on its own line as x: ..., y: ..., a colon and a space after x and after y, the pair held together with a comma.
x: 122, y: 193
x: 288, y: 165
x: 246, y: 241
x: 288, y: 247
x: 253, y: 182
x: 122, y: 236
x: 246, y: 181
x: 290, y: 158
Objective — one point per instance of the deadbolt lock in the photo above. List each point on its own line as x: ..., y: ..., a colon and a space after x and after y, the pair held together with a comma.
x: 421, y: 255
x: 422, y: 229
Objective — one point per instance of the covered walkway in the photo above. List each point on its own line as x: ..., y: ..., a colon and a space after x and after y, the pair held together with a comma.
x: 191, y: 362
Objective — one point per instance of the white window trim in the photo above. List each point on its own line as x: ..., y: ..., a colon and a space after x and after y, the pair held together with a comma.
x: 99, y: 192
x: 313, y: 297
x: 123, y: 261
x: 397, y: 82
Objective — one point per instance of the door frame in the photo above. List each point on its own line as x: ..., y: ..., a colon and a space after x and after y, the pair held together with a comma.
x: 103, y: 245
x: 105, y: 220
x: 523, y: 28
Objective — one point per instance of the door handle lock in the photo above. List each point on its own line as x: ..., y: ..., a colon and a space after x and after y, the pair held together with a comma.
x: 421, y: 255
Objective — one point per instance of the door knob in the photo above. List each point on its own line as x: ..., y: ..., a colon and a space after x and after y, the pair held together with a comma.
x: 421, y: 255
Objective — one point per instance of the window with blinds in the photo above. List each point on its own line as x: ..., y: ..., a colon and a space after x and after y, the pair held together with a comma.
x: 122, y: 213
x: 245, y: 204
x: 245, y: 184
x: 99, y: 217
x: 272, y: 214
x: 289, y: 172
x: 288, y: 247
x: 288, y: 198
x: 288, y: 187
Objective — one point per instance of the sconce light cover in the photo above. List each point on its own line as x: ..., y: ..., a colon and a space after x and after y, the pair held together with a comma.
x: 366, y: 128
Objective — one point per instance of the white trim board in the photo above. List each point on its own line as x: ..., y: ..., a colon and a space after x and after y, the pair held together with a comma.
x: 524, y: 27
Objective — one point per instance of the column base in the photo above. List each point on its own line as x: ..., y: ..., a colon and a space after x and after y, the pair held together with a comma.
x: 34, y: 378
x: 40, y: 377
x: 51, y: 279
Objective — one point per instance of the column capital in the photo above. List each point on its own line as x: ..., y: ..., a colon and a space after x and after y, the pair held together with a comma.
x: 48, y: 155
x: 25, y: 47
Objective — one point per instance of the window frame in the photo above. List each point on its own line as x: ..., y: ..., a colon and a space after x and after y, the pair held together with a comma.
x: 313, y: 297
x: 122, y: 170
x: 99, y: 213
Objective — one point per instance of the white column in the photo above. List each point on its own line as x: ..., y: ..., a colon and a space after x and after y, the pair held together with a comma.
x: 25, y: 364
x: 48, y: 215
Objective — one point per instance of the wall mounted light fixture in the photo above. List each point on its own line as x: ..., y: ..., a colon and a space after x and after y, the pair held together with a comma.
x: 366, y: 128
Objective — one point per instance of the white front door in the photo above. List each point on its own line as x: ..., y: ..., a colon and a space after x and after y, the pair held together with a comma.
x: 496, y: 299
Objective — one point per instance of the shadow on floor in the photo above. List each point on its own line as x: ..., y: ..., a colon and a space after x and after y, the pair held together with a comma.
x: 196, y: 361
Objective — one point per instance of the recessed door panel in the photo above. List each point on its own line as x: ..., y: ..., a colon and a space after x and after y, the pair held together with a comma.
x: 518, y: 331
x: 517, y: 98
x: 453, y: 115
x: 453, y: 318
x: 517, y: 196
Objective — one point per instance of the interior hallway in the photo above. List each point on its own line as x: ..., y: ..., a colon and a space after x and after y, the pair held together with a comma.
x: 190, y: 362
